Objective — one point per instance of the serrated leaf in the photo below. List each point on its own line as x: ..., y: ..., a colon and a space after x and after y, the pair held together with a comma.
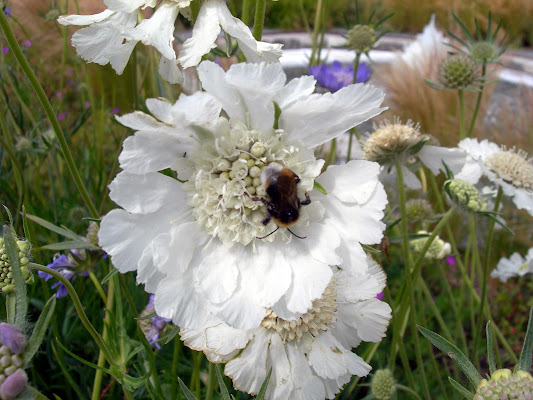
x: 21, y: 306
x: 54, y: 228
x: 454, y: 353
x: 490, y: 348
x: 70, y: 244
x: 461, y: 389
x: 524, y: 363
x: 186, y: 391
x: 221, y: 384
x: 262, y: 391
x: 40, y: 329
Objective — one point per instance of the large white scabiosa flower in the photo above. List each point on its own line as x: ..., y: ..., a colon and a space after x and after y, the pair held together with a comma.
x: 310, y: 356
x: 112, y: 34
x: 510, y: 169
x: 205, y: 245
x: 516, y: 265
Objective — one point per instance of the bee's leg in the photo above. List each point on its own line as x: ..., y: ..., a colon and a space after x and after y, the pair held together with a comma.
x: 267, y: 219
x: 306, y: 202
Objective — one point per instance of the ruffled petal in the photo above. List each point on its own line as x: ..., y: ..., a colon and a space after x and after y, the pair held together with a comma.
x: 129, y: 6
x: 169, y: 71
x: 370, y: 318
x: 307, y: 386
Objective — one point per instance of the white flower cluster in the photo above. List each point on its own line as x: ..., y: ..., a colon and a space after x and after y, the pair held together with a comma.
x: 257, y: 267
x: 112, y: 34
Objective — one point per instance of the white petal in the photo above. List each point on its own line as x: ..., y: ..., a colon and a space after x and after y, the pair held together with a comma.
x: 326, y: 357
x: 524, y: 199
x: 471, y: 172
x: 354, y: 182
x: 169, y: 71
x: 369, y: 317
x: 142, y: 194
x: 223, y: 339
x: 124, y: 236
x: 346, y: 334
x: 410, y: 179
x: 128, y: 5
x: 204, y: 34
x: 478, y: 150
x: 84, y: 19
x: 151, y: 151
x: 255, y: 84
x: 356, y: 287
x: 158, y: 30
x: 176, y: 298
x: 296, y: 89
x: 140, y: 121
x: 147, y: 273
x: 199, y: 109
x: 333, y: 386
x: 320, y: 118
x: 307, y: 386
x: 434, y: 158
x: 239, y: 311
x: 354, y: 259
x: 217, y: 274
x: 322, y: 240
x: 248, y: 371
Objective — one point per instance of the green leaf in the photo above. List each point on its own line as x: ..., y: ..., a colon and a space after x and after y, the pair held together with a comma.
x: 9, y: 216
x: 40, y: 329
x: 88, y: 363
x: 262, y: 391
x: 186, y: 391
x: 54, y: 228
x: 25, y: 226
x: 524, y: 363
x: 111, y: 274
x: 454, y: 353
x: 320, y: 188
x: 223, y: 389
x: 57, y: 397
x: 490, y: 349
x: 277, y: 114
x: 70, y: 244
x: 34, y: 393
x: 172, y: 334
x: 134, y: 382
x: 462, y: 390
x: 21, y: 307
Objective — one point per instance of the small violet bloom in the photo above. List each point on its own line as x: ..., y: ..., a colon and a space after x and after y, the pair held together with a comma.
x: 152, y: 327
x: 61, y: 116
x: 335, y: 76
x: 5, y: 49
x: 7, y: 11
x: 115, y: 111
x: 27, y: 43
x: 66, y: 266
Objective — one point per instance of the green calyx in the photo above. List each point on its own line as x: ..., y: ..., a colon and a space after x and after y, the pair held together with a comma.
x: 361, y: 38
x: 483, y: 52
x: 457, y: 72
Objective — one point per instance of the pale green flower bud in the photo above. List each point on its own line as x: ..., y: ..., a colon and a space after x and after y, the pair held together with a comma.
x: 361, y: 38
x: 383, y: 384
x: 465, y: 195
x: 504, y: 384
x: 7, y: 283
x: 438, y: 249
x: 457, y: 72
x: 483, y: 52
x: 92, y: 233
x: 418, y: 210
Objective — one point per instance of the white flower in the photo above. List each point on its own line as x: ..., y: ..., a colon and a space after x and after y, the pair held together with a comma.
x: 392, y: 142
x: 516, y: 265
x: 511, y: 170
x: 112, y: 34
x: 311, y: 356
x: 196, y: 244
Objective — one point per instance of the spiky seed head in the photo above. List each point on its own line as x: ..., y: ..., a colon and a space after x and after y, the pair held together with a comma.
x: 465, y: 195
x: 457, y: 72
x: 361, y: 38
x: 418, y: 210
x: 483, y: 52
x: 383, y: 384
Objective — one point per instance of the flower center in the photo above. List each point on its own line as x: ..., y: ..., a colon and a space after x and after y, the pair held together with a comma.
x: 513, y: 167
x: 317, y: 319
x: 227, y: 176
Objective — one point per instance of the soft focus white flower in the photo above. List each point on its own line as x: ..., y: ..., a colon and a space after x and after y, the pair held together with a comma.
x: 516, y: 265
x: 195, y: 244
x: 429, y: 46
x: 511, y: 170
x: 310, y: 356
x: 112, y: 34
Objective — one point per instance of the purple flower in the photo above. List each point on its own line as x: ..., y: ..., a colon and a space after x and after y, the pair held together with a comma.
x: 27, y: 43
x: 115, y: 110
x: 61, y: 116
x: 65, y: 266
x: 153, y: 327
x: 5, y: 49
x: 7, y: 11
x: 87, y: 104
x: 13, y: 385
x: 12, y: 337
x: 450, y: 260
x: 335, y: 76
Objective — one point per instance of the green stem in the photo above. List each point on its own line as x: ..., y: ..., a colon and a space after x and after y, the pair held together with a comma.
x: 259, y: 19
x: 175, y: 357
x: 245, y: 16
x: 211, y: 383
x: 408, y: 390
x: 478, y: 102
x: 12, y: 41
x: 356, y: 66
x: 484, y: 275
x: 316, y: 30
x: 79, y: 309
x: 332, y: 155
x: 98, y: 376
x: 461, y: 114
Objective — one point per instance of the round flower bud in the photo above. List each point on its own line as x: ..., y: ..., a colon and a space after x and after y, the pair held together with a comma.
x: 361, y: 38
x: 483, y: 52
x: 7, y: 283
x: 438, y: 249
x: 12, y: 377
x: 418, y: 210
x: 465, y: 195
x: 383, y: 384
x: 12, y: 338
x: 92, y: 233
x: 504, y: 384
x: 457, y: 72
